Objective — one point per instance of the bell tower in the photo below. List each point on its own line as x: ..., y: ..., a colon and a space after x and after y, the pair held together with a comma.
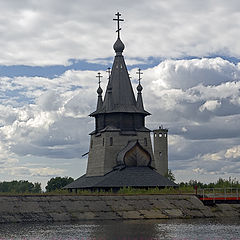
x: 160, y: 141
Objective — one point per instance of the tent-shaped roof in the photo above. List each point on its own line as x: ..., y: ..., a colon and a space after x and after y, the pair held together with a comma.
x: 119, y: 96
x: 123, y: 177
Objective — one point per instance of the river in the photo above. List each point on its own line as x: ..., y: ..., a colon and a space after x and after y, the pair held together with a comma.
x: 188, y: 229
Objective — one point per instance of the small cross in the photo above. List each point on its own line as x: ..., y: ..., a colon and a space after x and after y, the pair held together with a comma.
x: 118, y: 25
x: 99, y: 78
x: 109, y: 72
x: 139, y: 75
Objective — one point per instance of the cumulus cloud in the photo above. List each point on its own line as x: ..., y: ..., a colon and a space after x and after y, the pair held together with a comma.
x: 233, y: 152
x: 50, y: 122
x: 51, y: 33
x: 187, y: 95
x: 221, y: 161
x: 33, y: 172
x: 48, y: 126
x: 197, y: 99
x: 49, y: 101
x: 186, y: 74
x: 46, y: 172
x: 210, y: 105
x: 49, y: 117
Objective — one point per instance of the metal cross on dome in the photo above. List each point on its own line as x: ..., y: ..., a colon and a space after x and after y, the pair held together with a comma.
x: 99, y: 78
x: 118, y: 25
x: 139, y: 75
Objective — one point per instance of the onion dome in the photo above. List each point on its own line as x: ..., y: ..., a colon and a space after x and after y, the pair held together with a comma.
x: 118, y: 46
x: 139, y: 88
x: 99, y: 91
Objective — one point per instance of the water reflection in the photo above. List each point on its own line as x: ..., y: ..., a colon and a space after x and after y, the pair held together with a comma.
x: 199, y: 229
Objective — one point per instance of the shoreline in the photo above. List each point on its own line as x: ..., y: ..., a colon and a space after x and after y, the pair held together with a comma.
x: 70, y: 208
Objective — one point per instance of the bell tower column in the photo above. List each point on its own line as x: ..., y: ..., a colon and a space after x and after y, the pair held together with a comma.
x: 160, y: 141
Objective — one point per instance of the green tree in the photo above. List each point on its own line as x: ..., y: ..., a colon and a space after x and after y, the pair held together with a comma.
x: 37, y: 187
x: 220, y: 183
x: 21, y: 186
x: 170, y: 175
x: 57, y: 183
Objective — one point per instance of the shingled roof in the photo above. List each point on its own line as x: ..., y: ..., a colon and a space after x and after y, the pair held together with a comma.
x: 125, y: 177
x: 119, y: 96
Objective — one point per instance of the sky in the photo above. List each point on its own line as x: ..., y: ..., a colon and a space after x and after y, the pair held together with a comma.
x: 51, y: 51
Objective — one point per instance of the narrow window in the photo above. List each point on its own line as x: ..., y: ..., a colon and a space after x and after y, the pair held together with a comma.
x: 165, y: 135
x: 160, y: 134
x: 160, y: 154
x: 111, y: 141
x: 155, y: 135
x: 145, y: 141
x: 91, y: 144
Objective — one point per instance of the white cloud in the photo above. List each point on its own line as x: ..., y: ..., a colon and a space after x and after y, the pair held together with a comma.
x: 182, y: 95
x: 212, y: 156
x: 184, y: 129
x: 198, y: 170
x: 233, y: 152
x: 210, y: 105
x: 186, y: 74
x: 17, y: 172
x: 51, y: 125
x: 51, y: 33
x: 197, y: 99
x: 46, y: 172
x: 49, y: 101
x: 220, y: 161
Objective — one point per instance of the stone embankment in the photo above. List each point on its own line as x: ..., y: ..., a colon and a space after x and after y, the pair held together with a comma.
x: 44, y: 208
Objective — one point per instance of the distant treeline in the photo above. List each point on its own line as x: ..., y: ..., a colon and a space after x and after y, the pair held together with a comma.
x: 57, y: 183
x: 23, y: 186
x: 20, y: 187
x: 221, y: 183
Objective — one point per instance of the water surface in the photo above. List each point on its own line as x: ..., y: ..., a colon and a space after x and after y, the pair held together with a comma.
x: 189, y: 229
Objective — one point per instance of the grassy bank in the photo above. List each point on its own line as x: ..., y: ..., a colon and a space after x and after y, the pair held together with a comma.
x: 122, y: 191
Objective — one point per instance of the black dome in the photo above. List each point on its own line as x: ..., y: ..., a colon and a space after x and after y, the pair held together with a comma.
x: 118, y: 46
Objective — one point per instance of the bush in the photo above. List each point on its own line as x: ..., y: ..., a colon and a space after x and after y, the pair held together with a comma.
x: 58, y: 183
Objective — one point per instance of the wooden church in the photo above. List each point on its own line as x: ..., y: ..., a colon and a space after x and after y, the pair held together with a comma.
x: 121, y: 153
